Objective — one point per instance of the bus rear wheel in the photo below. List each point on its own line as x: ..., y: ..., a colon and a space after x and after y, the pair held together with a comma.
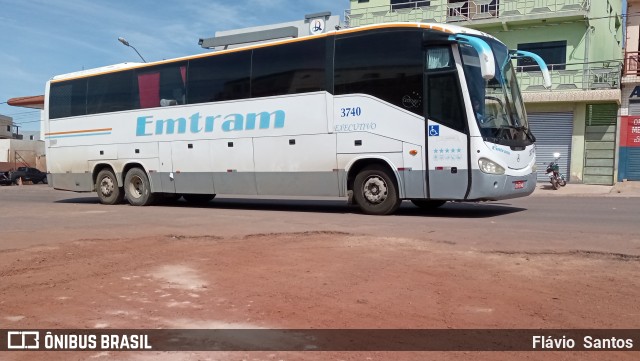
x: 376, y: 192
x: 137, y: 188
x: 107, y: 187
x: 427, y: 203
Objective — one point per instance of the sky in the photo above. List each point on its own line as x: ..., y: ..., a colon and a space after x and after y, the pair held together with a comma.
x: 43, y: 38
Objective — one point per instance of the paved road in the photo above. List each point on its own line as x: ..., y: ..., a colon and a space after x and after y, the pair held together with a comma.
x: 35, y: 215
x: 536, y: 263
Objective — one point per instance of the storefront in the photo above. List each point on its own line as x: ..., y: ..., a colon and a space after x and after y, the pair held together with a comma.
x: 553, y: 131
x: 629, y: 168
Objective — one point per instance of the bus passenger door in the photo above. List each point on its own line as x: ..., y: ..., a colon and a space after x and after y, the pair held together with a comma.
x: 166, y: 167
x: 446, y: 131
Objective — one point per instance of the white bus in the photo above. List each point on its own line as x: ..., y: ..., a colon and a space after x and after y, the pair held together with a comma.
x: 379, y: 114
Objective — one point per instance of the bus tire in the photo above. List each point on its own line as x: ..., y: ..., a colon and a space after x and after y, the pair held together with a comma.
x: 137, y: 188
x: 375, y: 191
x: 428, y: 203
x: 107, y: 188
x: 200, y: 199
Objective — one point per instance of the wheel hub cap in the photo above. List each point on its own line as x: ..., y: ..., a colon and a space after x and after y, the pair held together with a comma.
x: 106, y: 187
x: 375, y: 190
x: 136, y: 187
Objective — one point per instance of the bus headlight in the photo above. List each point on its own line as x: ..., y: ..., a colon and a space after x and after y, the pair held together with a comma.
x: 490, y: 167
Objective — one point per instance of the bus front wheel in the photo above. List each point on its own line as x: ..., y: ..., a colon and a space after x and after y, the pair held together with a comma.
x: 137, y: 188
x: 375, y: 191
x: 107, y: 188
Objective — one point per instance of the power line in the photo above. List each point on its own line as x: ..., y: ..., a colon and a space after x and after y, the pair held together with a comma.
x: 25, y: 112
x: 22, y: 113
x: 33, y: 121
x: 25, y: 120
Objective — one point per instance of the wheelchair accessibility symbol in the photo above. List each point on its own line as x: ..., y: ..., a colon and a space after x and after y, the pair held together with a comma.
x: 434, y: 130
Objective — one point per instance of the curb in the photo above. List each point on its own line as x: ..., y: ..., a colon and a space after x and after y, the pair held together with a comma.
x: 625, y: 190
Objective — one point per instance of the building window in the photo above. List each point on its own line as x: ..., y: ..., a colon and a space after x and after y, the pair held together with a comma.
x: 554, y: 53
x: 408, y: 4
x: 8, y: 128
x: 461, y: 10
x: 362, y: 1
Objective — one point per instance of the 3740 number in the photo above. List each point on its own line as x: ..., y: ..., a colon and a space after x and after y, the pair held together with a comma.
x: 350, y: 112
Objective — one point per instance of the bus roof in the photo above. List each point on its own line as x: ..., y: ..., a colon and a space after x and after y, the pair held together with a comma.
x: 445, y: 28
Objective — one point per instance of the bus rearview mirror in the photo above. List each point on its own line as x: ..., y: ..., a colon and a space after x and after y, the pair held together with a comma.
x: 487, y: 60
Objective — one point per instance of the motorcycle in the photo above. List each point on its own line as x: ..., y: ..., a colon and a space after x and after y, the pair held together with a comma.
x: 553, y: 172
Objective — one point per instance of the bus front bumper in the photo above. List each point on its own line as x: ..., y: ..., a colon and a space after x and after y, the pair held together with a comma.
x: 486, y: 187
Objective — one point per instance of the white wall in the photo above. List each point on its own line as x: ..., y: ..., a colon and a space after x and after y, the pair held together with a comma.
x: 31, y: 152
x: 633, y: 26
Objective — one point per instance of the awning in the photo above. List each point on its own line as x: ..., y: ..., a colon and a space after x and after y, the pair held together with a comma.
x: 35, y: 102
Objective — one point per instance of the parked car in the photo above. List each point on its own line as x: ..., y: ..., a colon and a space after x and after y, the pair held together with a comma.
x: 4, y: 178
x: 27, y: 174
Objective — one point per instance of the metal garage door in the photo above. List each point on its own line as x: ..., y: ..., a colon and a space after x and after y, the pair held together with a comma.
x: 600, y: 143
x: 553, y: 134
x: 633, y: 163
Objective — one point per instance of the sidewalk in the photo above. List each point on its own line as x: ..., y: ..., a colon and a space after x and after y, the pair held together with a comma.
x: 624, y: 189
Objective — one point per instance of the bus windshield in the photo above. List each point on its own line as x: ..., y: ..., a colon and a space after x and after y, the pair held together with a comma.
x: 497, y: 103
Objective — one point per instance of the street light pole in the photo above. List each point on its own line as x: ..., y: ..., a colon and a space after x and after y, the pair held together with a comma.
x: 125, y: 42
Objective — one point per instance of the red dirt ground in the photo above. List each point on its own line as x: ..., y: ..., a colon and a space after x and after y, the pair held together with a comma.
x: 310, y: 280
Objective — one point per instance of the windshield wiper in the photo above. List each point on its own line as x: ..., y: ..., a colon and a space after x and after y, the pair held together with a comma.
x: 521, y: 128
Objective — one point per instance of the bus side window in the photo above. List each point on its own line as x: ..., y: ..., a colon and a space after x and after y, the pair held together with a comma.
x: 218, y: 78
x: 110, y: 93
x: 387, y: 65
x: 444, y: 103
x: 439, y: 58
x: 293, y: 68
x: 161, y: 86
x: 68, y: 99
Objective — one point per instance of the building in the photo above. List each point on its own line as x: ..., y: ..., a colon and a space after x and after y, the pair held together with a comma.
x: 15, y: 152
x: 629, y: 168
x: 6, y: 127
x: 582, y: 41
x: 311, y: 25
x: 25, y: 149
